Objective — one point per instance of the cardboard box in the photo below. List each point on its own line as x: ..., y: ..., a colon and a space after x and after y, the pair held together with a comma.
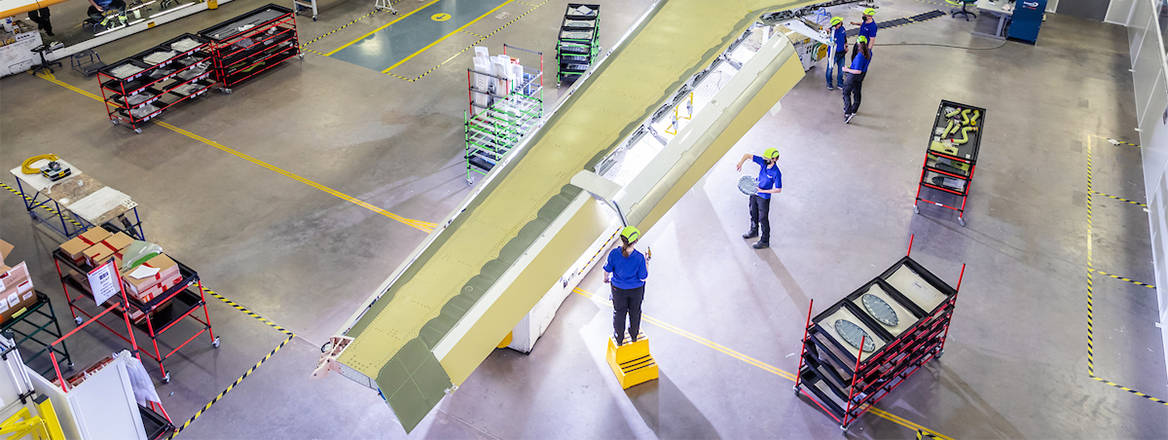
x: 103, y: 250
x: 16, y: 292
x: 74, y: 247
x: 148, y: 287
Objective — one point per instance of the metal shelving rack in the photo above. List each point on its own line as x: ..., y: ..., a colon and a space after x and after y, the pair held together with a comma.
x: 578, y: 43
x: 134, y: 99
x: 152, y: 318
x: 252, y: 43
x: 26, y: 327
x: 954, y: 143
x: 492, y: 130
x: 845, y: 372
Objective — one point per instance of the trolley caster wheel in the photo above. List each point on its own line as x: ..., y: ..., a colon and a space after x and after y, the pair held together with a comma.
x: 69, y: 366
x: 138, y: 130
x: 225, y: 90
x: 77, y: 320
x: 215, y: 343
x: 843, y: 428
x: 301, y: 56
x: 961, y: 221
x: 916, y: 209
x: 114, y: 121
x: 166, y: 378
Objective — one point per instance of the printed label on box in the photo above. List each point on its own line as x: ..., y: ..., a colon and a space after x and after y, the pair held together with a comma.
x: 13, y: 299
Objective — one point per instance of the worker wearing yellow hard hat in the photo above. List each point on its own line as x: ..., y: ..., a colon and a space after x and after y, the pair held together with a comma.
x: 854, y: 77
x: 770, y: 181
x: 626, y: 271
x: 839, y: 48
x: 868, y: 26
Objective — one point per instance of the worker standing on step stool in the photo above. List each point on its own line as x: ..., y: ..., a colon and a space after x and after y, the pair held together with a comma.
x: 839, y: 49
x: 770, y: 181
x: 626, y: 270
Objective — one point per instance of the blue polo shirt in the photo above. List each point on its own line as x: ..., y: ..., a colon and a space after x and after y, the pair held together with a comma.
x: 841, y: 41
x: 868, y: 29
x: 860, y: 62
x: 768, y: 177
x: 627, y: 272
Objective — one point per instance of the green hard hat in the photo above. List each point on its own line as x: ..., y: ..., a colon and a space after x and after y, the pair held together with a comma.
x: 771, y: 153
x: 836, y: 20
x: 869, y: 11
x: 862, y: 39
x: 630, y: 233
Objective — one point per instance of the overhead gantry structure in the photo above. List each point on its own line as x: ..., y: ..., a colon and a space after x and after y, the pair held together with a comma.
x: 446, y: 308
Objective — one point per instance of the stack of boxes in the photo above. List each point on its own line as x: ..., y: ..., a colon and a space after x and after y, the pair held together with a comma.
x: 16, y: 292
x: 143, y: 282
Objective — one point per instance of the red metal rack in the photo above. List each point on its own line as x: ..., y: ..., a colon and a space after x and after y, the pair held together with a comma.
x: 153, y: 318
x: 845, y: 381
x: 951, y: 158
x: 252, y: 43
x: 134, y: 99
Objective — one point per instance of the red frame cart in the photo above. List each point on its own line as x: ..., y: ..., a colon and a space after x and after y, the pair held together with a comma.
x: 846, y: 384
x: 159, y: 82
x: 951, y: 158
x: 268, y: 38
x: 153, y: 318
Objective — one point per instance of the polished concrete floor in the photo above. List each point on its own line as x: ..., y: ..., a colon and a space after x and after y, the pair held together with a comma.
x: 292, y: 246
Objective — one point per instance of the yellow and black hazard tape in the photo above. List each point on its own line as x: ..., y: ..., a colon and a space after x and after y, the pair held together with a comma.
x: 1117, y: 142
x: 1129, y: 201
x: 247, y: 311
x: 46, y: 207
x: 1110, y: 275
x: 249, y: 371
x: 237, y: 381
x: 338, y: 29
x: 482, y: 38
x: 1091, y: 291
x: 926, y: 435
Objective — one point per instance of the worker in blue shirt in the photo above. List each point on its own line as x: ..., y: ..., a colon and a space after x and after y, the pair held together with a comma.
x: 854, y: 78
x: 840, y: 48
x: 626, y: 271
x: 868, y: 26
x: 770, y: 181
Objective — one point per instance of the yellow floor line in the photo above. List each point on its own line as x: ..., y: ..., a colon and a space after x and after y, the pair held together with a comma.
x: 428, y: 46
x: 416, y: 224
x: 764, y: 366
x: 381, y: 27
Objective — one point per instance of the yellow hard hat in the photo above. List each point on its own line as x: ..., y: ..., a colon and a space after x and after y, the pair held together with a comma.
x: 869, y: 11
x: 771, y: 153
x: 836, y: 20
x: 630, y: 233
x: 862, y: 39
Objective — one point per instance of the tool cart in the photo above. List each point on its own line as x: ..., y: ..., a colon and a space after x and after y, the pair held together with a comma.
x: 869, y: 343
x: 152, y: 317
x: 578, y: 44
x: 139, y: 88
x: 951, y: 157
x: 252, y: 43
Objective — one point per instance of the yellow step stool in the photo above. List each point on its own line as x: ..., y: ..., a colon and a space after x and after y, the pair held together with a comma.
x: 631, y: 363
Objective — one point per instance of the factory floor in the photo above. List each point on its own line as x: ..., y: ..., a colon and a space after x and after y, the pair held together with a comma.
x: 292, y: 198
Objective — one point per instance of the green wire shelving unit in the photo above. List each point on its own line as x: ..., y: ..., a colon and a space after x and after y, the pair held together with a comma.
x: 578, y: 44
x: 490, y: 131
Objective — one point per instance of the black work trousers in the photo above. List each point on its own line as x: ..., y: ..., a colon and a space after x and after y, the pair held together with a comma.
x: 760, y: 212
x: 852, y: 92
x: 626, y: 302
x: 41, y: 18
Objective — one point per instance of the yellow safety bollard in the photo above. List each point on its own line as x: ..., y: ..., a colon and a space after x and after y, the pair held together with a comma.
x: 631, y: 362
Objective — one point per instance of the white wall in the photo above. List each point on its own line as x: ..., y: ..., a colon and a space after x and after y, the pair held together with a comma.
x: 1151, y: 97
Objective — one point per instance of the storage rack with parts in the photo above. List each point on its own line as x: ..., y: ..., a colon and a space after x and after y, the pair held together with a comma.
x: 26, y: 331
x: 578, y: 44
x: 252, y: 43
x: 951, y: 158
x: 139, y: 88
x: 513, y: 109
x: 152, y: 318
x: 869, y: 343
